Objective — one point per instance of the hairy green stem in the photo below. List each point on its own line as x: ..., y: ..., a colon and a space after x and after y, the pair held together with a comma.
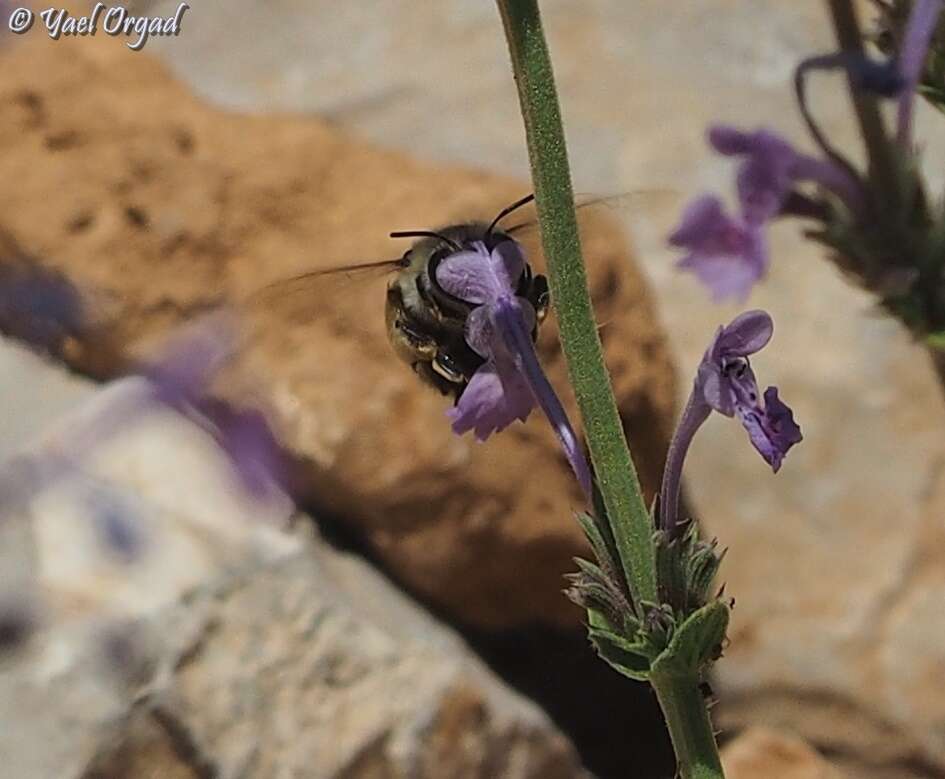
x: 882, y: 160
x: 680, y: 698
x: 580, y: 342
x: 697, y: 754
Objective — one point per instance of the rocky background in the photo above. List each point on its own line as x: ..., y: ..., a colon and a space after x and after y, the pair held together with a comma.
x: 280, y: 137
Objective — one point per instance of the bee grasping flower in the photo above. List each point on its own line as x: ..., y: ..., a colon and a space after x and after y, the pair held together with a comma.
x: 499, y: 330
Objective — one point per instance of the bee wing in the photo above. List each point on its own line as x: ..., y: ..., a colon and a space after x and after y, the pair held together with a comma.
x: 622, y: 203
x: 324, y: 279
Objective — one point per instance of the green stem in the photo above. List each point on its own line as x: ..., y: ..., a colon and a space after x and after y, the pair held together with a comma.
x: 697, y: 754
x: 882, y: 160
x: 580, y: 343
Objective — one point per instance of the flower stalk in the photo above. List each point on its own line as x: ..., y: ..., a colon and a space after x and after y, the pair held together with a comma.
x: 882, y: 160
x: 690, y: 728
x: 557, y: 219
x: 676, y: 681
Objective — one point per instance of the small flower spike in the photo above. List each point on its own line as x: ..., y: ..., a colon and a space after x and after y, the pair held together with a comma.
x: 511, y: 380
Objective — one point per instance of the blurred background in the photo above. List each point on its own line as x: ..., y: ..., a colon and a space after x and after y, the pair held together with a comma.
x: 409, y: 621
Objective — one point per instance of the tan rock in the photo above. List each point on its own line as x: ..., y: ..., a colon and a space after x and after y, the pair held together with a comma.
x: 160, y: 207
x: 762, y: 753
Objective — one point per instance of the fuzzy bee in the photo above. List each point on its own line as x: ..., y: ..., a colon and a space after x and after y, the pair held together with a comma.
x: 425, y: 324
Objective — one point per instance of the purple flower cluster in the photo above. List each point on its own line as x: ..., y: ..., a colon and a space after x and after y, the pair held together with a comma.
x: 729, y: 254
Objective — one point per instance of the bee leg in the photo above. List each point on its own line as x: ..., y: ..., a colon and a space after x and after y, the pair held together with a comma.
x: 424, y: 369
x: 540, y: 298
x: 446, y: 367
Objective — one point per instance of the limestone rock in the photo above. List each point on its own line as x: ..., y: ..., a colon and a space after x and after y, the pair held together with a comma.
x: 158, y: 207
x: 291, y: 675
x: 221, y: 644
x: 762, y: 752
x: 835, y: 563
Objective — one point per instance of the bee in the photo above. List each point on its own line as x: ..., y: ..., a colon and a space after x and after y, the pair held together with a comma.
x: 425, y: 324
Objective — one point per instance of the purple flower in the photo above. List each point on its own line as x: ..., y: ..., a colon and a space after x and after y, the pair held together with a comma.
x: 181, y: 376
x: 726, y: 254
x: 766, y: 175
x: 724, y: 378
x: 181, y: 381
x: 498, y: 393
x: 511, y: 380
x: 251, y: 445
x: 726, y: 383
x: 770, y: 169
x: 915, y: 46
x: 730, y: 254
x: 39, y: 306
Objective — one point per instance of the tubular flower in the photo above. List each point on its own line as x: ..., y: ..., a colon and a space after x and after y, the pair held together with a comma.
x: 726, y: 383
x: 498, y: 329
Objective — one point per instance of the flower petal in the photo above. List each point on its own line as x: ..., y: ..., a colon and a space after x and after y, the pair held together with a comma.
x: 463, y: 275
x: 726, y: 276
x: 517, y: 334
x: 746, y: 334
x: 699, y: 221
x: 772, y: 429
x: 248, y: 440
x: 728, y: 140
x: 480, y: 332
x: 192, y: 360
x: 479, y: 276
x: 915, y: 48
x: 490, y: 403
x: 779, y: 422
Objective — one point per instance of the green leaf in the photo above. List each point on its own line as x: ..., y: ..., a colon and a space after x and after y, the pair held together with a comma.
x: 696, y: 643
x: 630, y: 658
x: 604, y: 549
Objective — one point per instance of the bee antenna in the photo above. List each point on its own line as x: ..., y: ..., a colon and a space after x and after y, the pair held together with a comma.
x: 508, y: 210
x: 426, y: 234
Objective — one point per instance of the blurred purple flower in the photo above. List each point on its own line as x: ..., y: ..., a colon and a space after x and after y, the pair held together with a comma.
x: 499, y: 329
x: 726, y: 383
x: 915, y: 46
x: 248, y: 440
x: 38, y: 306
x: 770, y: 169
x: 182, y: 375
x: 726, y: 254
x: 181, y: 379
x: 729, y: 254
x: 767, y: 173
